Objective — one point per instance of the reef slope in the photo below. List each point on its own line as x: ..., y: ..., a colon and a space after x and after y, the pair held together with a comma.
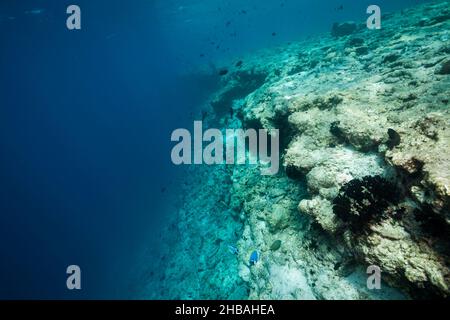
x: 364, y: 120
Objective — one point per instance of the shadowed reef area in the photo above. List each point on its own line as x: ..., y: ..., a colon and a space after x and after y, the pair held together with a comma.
x: 364, y: 126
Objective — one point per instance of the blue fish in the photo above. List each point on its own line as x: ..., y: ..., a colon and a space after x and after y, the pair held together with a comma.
x: 233, y: 249
x: 254, y: 257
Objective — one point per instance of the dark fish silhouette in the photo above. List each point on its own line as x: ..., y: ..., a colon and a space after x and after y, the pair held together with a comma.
x: 223, y: 72
x: 394, y: 139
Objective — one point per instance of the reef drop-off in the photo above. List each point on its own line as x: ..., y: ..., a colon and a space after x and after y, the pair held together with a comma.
x: 364, y: 126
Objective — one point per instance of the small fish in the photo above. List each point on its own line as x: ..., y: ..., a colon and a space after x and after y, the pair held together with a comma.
x: 35, y: 11
x: 204, y: 115
x: 394, y: 139
x: 7, y: 18
x: 111, y: 36
x: 223, y: 72
x: 254, y: 257
x: 233, y: 249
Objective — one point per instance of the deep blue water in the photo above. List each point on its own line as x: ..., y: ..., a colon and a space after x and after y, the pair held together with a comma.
x: 86, y: 117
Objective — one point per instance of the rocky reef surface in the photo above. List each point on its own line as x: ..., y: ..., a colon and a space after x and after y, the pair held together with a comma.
x: 364, y: 128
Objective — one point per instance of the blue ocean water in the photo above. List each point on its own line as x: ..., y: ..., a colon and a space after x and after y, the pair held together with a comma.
x: 86, y: 117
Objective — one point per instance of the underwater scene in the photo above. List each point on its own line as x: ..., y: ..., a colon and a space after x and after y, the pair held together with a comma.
x: 225, y: 149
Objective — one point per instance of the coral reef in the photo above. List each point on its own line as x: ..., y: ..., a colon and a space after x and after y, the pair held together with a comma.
x: 364, y: 123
